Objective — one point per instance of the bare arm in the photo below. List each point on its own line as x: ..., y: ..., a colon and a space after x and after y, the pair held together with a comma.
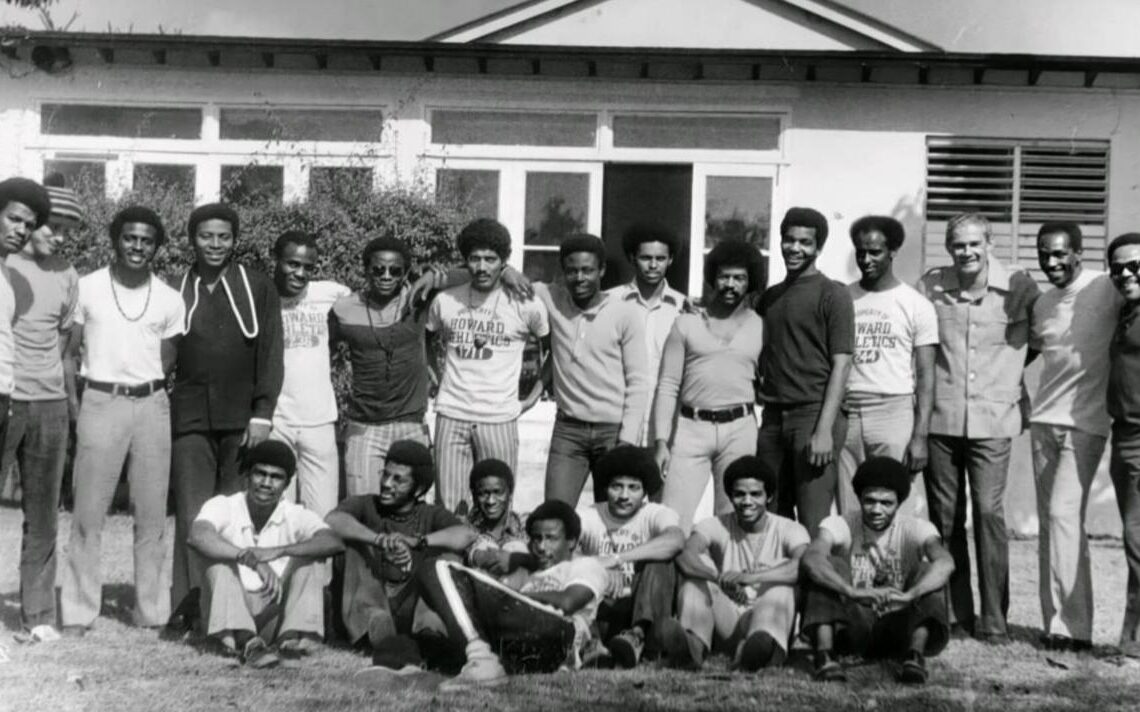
x: 70, y: 342
x: 916, y: 451
x: 571, y: 600
x: 349, y: 528
x: 821, y: 446
x: 206, y: 540
x: 786, y: 572
x: 665, y: 404
x: 663, y: 547
x: 169, y: 352
x: 937, y: 575
x: 817, y: 567
x: 690, y: 561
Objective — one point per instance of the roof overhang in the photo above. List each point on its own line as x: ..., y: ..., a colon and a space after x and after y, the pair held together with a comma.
x: 55, y: 52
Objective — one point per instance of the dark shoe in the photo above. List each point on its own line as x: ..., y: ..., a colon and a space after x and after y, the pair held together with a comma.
x: 627, y: 647
x: 294, y: 646
x: 1065, y: 644
x: 381, y: 627
x: 913, y: 670
x: 757, y: 651
x: 184, y: 618
x: 257, y: 654
x: 595, y: 655
x: 221, y: 645
x: 828, y: 669
x: 993, y: 638
x: 73, y: 631
x: 962, y: 631
x: 681, y: 648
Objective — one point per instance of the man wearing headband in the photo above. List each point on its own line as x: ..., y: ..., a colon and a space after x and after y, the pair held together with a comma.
x: 230, y: 369
x: 46, y: 287
x: 262, y: 584
x: 877, y: 579
x: 126, y: 325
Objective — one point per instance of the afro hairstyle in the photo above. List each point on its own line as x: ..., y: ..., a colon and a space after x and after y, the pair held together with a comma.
x: 754, y: 468
x: 736, y: 253
x: 628, y: 461
x: 556, y: 509
x: 491, y: 468
x: 889, y: 228
x: 885, y: 472
x: 484, y: 234
x: 806, y: 217
x: 416, y: 456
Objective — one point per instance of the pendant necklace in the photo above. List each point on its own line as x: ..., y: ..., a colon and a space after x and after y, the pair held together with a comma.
x: 479, y: 340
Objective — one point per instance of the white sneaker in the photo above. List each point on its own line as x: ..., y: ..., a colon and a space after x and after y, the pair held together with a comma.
x: 44, y: 633
x: 482, y: 669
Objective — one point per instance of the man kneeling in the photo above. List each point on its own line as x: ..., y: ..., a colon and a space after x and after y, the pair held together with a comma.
x: 263, y: 584
x: 877, y: 579
x: 537, y: 622
x: 745, y: 602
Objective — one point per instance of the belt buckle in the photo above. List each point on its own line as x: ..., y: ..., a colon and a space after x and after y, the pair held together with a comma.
x: 118, y: 389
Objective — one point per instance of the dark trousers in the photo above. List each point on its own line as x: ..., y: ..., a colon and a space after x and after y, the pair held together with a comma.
x: 651, y: 599
x: 806, y: 492
x: 36, y: 440
x: 1124, y: 467
x: 574, y: 448
x: 861, y: 631
x: 527, y: 636
x: 984, y: 463
x: 203, y: 464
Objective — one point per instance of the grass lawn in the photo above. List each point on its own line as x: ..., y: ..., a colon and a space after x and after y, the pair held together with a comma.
x: 117, y: 667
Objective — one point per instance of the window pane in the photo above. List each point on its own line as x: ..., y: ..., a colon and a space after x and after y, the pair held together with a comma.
x: 556, y: 206
x: 753, y: 133
x: 738, y: 208
x: 474, y: 194
x: 252, y: 183
x: 127, y: 121
x: 271, y: 124
x: 541, y: 265
x: 509, y: 128
x: 85, y: 177
x: 168, y: 175
x: 339, y: 182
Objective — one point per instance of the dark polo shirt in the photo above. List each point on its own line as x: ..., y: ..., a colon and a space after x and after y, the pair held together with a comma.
x: 223, y: 379
x: 1124, y: 369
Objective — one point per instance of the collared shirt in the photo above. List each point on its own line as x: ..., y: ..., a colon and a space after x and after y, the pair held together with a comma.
x: 981, y: 351
x: 600, y: 369
x: 290, y: 523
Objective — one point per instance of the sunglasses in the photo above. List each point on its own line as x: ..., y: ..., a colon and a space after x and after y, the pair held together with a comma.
x: 390, y: 270
x: 1116, y: 269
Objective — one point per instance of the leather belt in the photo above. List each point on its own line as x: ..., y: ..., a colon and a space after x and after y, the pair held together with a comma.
x: 726, y: 415
x: 122, y: 389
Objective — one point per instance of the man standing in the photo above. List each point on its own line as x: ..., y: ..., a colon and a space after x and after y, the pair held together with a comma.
x: 600, y: 378
x: 808, y: 340
x: 305, y: 416
x: 480, y: 333
x: 636, y: 540
x: 262, y: 583
x: 651, y: 250
x: 46, y: 288
x: 890, y: 390
x: 983, y: 331
x: 1124, y: 407
x: 876, y: 579
x: 127, y: 326
x: 1072, y: 330
x: 227, y: 381
x: 708, y: 374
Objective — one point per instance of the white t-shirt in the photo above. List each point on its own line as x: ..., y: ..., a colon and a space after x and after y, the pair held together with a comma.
x: 889, y: 325
x: 7, y: 339
x: 484, y: 336
x: 583, y: 571
x: 307, y: 394
x: 290, y: 523
x: 115, y: 349
x: 733, y: 549
x: 1072, y: 327
x: 886, y: 558
x: 603, y: 535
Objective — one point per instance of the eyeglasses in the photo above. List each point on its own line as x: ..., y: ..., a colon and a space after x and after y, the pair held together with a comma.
x: 390, y: 270
x: 1116, y: 269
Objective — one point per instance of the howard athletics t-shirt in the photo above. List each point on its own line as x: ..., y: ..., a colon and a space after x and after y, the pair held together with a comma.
x: 878, y: 559
x: 306, y: 393
x: 889, y: 325
x: 603, y: 535
x: 483, y: 335
x: 733, y: 549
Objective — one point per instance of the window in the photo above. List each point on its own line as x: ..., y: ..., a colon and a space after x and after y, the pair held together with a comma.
x: 473, y: 193
x: 738, y: 208
x: 125, y: 121
x: 273, y: 124
x: 556, y: 207
x: 176, y: 179
x: 510, y: 128
x: 84, y: 177
x: 748, y: 133
x: 253, y: 183
x: 339, y: 182
x: 1017, y: 185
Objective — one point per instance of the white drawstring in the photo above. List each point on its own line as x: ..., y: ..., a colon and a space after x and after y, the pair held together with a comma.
x: 247, y: 333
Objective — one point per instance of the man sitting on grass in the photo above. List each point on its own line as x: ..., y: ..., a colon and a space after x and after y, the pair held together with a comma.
x: 877, y: 579
x: 636, y: 540
x: 389, y: 537
x: 745, y: 602
x: 531, y: 622
x: 262, y: 582
x: 500, y: 544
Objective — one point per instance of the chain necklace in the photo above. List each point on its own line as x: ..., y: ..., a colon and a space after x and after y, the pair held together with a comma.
x: 146, y: 305
x: 376, y: 334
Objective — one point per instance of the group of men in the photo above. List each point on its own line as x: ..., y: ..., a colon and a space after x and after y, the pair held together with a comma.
x: 863, y: 387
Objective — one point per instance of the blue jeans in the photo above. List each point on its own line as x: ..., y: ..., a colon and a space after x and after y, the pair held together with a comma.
x: 37, y: 442
x: 574, y: 448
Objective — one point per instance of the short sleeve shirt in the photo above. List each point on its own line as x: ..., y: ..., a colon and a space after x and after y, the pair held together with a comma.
x: 807, y: 321
x: 889, y: 325
x: 733, y: 549
x: 582, y: 571
x: 290, y: 523
x: 878, y: 559
x: 603, y: 535
x: 307, y: 396
x: 484, y: 336
x: 123, y: 328
x: 46, y: 291
x: 422, y: 520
